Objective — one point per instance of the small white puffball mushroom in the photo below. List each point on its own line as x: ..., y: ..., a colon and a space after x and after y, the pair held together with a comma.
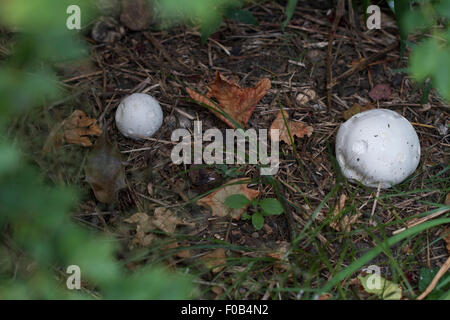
x: 377, y: 146
x: 139, y: 116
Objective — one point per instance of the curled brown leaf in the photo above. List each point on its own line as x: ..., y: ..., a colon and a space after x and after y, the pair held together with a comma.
x: 298, y: 129
x: 73, y: 130
x: 238, y: 103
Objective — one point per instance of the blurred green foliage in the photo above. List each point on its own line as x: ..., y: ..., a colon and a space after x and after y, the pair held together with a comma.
x: 207, y: 14
x: 430, y: 57
x: 38, y: 239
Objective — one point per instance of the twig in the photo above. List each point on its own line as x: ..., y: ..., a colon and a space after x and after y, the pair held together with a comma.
x: 422, y: 220
x: 359, y: 66
x: 87, y: 75
x: 163, y: 51
x: 337, y: 19
x: 375, y: 203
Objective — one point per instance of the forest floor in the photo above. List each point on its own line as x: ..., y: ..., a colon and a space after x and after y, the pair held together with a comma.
x: 328, y: 223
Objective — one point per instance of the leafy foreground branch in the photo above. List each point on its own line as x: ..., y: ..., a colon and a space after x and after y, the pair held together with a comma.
x: 38, y: 237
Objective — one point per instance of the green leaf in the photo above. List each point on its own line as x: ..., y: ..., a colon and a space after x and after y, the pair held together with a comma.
x: 423, y: 61
x: 257, y: 220
x: 425, y: 278
x: 237, y: 201
x: 441, y: 78
x: 290, y: 9
x: 271, y: 206
x: 401, y: 8
x: 385, y: 289
x: 246, y: 216
x: 210, y: 26
x: 241, y: 15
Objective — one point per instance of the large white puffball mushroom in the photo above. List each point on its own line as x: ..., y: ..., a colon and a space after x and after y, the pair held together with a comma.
x: 377, y: 146
x: 139, y: 116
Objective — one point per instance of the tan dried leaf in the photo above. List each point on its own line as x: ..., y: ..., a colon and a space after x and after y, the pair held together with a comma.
x: 298, y: 129
x: 166, y: 220
x: 180, y: 254
x: 356, y: 108
x: 235, y: 101
x: 143, y: 226
x: 162, y: 219
x: 324, y: 296
x: 73, y: 130
x: 281, y: 255
x: 215, y: 260
x: 216, y: 199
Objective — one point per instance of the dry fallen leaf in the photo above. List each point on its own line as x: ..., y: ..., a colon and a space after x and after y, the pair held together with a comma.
x: 215, y: 260
x: 166, y: 220
x: 281, y: 254
x: 235, y: 101
x: 73, y: 130
x: 324, y: 296
x: 105, y: 171
x: 356, y: 108
x: 345, y: 223
x: 218, y: 291
x: 163, y: 219
x: 381, y: 91
x: 298, y: 129
x: 216, y: 199
x: 184, y: 254
x: 143, y: 226
x: 446, y: 237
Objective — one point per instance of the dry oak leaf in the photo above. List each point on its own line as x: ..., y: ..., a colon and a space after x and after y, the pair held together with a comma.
x: 298, y: 129
x: 73, y: 130
x: 143, y: 226
x: 163, y: 219
x: 235, y: 101
x: 215, y: 260
x: 216, y: 199
x: 166, y: 220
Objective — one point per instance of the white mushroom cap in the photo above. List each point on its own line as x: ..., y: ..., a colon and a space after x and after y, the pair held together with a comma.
x: 139, y: 116
x: 377, y: 146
